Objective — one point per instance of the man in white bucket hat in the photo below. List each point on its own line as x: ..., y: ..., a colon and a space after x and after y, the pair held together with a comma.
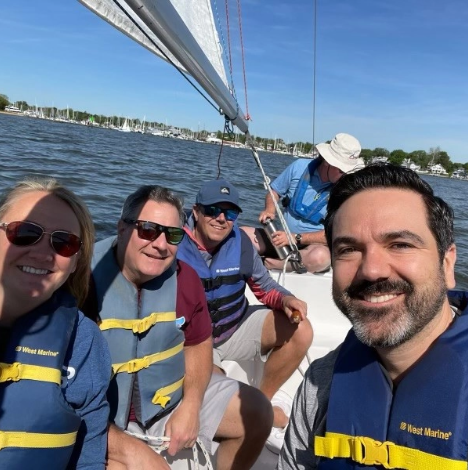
x: 304, y: 187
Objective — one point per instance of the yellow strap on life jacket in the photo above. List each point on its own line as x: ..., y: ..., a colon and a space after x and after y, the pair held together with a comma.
x: 140, y: 325
x: 17, y: 371
x: 367, y: 451
x: 36, y: 440
x: 161, y: 396
x: 136, y: 365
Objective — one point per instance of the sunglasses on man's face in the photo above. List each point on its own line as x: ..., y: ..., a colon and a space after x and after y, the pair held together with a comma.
x: 151, y: 230
x: 23, y: 233
x: 215, y: 211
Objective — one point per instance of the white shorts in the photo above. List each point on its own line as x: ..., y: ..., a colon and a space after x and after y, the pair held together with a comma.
x: 246, y: 342
x: 218, y: 394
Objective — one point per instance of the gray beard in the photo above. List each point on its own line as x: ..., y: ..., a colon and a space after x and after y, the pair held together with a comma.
x: 420, y: 308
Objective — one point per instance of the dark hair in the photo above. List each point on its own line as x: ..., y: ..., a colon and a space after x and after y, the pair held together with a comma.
x: 134, y: 203
x: 384, y: 175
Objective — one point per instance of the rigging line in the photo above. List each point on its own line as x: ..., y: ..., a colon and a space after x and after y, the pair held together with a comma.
x: 228, y: 32
x: 227, y: 131
x: 266, y: 180
x: 167, y: 57
x: 239, y: 13
x: 314, y: 79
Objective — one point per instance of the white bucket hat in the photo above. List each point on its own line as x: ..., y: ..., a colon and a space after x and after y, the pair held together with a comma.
x: 342, y: 152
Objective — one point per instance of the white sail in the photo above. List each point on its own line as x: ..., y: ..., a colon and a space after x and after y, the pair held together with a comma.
x: 185, y: 30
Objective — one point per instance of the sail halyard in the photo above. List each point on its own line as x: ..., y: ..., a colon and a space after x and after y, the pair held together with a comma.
x: 192, y: 40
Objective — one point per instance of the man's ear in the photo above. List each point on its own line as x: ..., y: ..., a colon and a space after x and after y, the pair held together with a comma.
x: 121, y: 225
x: 448, y: 265
x: 195, y: 212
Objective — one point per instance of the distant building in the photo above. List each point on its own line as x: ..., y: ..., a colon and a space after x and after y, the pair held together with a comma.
x: 381, y: 159
x: 407, y: 163
x: 437, y: 170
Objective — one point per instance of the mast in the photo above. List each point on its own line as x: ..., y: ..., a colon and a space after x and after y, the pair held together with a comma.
x: 164, y: 21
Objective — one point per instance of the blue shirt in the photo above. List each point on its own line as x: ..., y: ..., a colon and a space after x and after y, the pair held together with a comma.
x: 85, y: 381
x: 285, y: 185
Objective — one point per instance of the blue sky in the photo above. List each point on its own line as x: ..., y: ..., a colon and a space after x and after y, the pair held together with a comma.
x: 393, y: 73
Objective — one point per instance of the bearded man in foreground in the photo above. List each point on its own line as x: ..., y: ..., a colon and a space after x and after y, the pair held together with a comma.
x: 394, y: 393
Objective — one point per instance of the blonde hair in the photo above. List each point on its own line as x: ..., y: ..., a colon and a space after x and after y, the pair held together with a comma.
x: 78, y: 281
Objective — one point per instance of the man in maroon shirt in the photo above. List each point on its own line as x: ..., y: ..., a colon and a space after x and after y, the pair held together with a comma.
x: 210, y: 409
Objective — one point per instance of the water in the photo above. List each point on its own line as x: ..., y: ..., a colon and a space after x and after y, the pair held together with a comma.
x: 104, y: 166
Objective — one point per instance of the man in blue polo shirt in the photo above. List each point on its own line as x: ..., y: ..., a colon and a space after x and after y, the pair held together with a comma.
x: 304, y: 187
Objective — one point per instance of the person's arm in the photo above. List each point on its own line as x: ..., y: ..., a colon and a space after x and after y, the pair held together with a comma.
x: 129, y: 453
x: 184, y: 423
x: 308, y: 416
x: 272, y: 294
x: 270, y: 210
x: 88, y: 376
x: 281, y: 186
x: 308, y: 238
x: 263, y: 286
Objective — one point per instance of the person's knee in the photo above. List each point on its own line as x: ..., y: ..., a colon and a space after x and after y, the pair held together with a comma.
x: 303, y: 336
x: 316, y: 259
x: 249, y: 415
x: 254, y: 235
x: 256, y: 412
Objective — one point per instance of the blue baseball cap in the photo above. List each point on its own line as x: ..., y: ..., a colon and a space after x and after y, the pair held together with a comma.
x: 214, y: 192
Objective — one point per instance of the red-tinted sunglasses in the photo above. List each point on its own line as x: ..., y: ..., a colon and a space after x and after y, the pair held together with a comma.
x: 24, y: 233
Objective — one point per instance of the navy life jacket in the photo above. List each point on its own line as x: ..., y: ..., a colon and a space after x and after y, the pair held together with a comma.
x: 422, y: 424
x: 224, y: 280
x: 145, y: 342
x: 311, y: 212
x: 38, y: 426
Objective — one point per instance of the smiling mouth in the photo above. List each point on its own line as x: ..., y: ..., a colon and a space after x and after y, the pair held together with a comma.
x: 378, y: 299
x: 31, y: 270
x: 159, y: 258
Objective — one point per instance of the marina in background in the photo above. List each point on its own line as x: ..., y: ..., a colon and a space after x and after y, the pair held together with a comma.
x: 104, y: 167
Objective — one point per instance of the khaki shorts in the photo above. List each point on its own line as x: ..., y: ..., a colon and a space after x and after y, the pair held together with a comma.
x: 218, y: 394
x: 246, y: 342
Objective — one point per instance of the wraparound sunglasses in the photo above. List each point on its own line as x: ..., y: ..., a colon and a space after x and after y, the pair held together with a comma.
x: 215, y: 211
x: 151, y: 230
x: 22, y: 233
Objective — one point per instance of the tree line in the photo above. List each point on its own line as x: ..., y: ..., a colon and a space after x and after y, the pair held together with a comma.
x: 422, y: 158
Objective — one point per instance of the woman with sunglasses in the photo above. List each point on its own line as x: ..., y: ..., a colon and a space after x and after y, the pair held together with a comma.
x: 54, y: 363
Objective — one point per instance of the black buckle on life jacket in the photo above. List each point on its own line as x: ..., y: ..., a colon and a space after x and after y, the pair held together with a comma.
x: 210, y: 283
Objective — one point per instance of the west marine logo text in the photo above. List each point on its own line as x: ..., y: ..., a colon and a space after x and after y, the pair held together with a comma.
x: 425, y: 431
x: 40, y: 352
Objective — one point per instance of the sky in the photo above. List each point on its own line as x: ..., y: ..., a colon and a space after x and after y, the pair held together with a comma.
x: 392, y: 73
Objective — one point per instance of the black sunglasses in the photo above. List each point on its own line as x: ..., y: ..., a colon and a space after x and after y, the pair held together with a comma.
x: 215, y: 211
x: 151, y: 230
x: 23, y: 233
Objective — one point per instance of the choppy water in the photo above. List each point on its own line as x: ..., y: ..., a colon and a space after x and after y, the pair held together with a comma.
x: 104, y: 166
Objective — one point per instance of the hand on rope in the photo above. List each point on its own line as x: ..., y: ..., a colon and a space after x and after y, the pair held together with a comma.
x: 266, y: 214
x: 182, y: 428
x: 295, y: 255
x: 160, y: 444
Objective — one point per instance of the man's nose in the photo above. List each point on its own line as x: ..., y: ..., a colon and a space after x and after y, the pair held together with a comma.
x: 375, y: 265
